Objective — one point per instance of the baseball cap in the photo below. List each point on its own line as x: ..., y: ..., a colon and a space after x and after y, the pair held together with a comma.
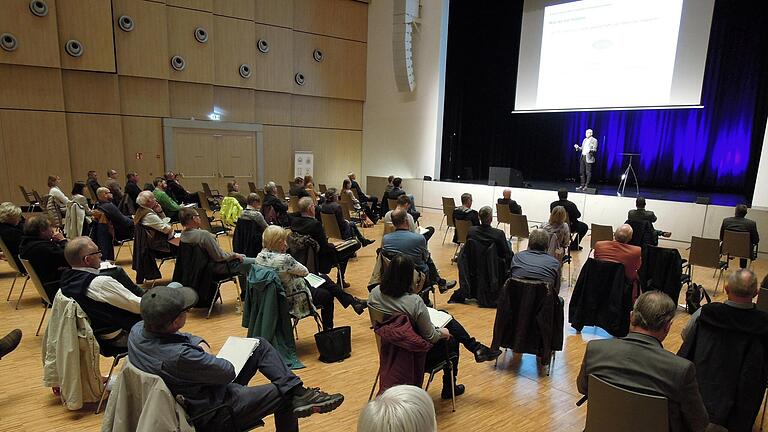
x: 161, y: 305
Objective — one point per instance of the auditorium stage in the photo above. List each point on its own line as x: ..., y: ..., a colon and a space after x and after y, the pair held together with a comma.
x: 676, y: 210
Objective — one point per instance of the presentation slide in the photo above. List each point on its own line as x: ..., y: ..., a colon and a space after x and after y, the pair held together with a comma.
x: 612, y: 54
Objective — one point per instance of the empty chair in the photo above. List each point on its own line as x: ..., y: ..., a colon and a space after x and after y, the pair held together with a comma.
x: 518, y: 228
x: 600, y: 233
x: 503, y: 214
x: 30, y: 199
x: 737, y: 244
x: 449, y: 206
x: 462, y: 229
x: 331, y: 226
x: 705, y: 252
x: 612, y: 408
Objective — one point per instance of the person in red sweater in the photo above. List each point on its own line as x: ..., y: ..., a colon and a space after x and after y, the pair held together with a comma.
x: 618, y: 250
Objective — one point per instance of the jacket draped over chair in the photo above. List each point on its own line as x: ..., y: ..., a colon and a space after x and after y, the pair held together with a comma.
x: 602, y: 297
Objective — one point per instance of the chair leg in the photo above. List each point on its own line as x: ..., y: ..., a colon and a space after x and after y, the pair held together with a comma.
x: 296, y: 328
x: 441, y: 226
x: 453, y: 387
x: 119, y: 248
x: 434, y: 298
x: 551, y: 363
x: 375, y: 381
x: 12, y: 285
x: 45, y: 310
x: 718, y: 279
x: 21, y: 294
x: 446, y: 234
x: 104, y: 390
x: 429, y: 381
x: 215, y: 296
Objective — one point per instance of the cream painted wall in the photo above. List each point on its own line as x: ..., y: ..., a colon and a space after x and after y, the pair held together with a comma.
x: 402, y: 131
x: 760, y: 198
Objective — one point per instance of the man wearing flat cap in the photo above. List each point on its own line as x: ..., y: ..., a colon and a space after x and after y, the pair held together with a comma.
x: 188, y: 368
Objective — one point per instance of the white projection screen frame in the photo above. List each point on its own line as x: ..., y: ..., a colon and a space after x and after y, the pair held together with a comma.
x: 686, y: 80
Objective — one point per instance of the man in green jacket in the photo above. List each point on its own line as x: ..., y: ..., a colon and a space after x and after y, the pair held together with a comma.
x: 170, y: 207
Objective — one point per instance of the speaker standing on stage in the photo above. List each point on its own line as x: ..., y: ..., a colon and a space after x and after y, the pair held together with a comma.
x: 588, y: 150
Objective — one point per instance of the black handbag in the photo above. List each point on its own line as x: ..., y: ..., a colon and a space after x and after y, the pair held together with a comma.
x: 335, y: 344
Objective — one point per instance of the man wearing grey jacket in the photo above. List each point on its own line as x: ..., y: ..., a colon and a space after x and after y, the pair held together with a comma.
x: 588, y: 150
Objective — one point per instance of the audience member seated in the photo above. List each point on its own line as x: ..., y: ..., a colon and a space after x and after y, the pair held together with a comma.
x: 393, y: 296
x: 347, y: 228
x: 402, y: 408
x: 465, y: 212
x: 11, y: 230
x: 79, y: 216
x: 151, y: 220
x: 292, y: 272
x: 403, y: 241
x: 514, y: 207
x: 132, y: 188
x: 574, y: 225
x: 297, y: 189
x: 224, y: 263
x: 249, y: 229
x: 728, y: 343
x: 640, y: 363
x: 740, y: 223
x: 122, y: 224
x: 189, y: 369
x: 56, y: 206
x: 177, y: 191
x: 641, y: 214
x: 535, y: 263
x: 112, y: 308
x: 559, y: 233
x: 330, y: 255
x: 114, y: 187
x: 403, y: 203
x: 272, y: 204
x: 233, y: 190
x: 361, y: 196
x: 395, y: 192
x: 486, y: 234
x: 309, y: 187
x: 369, y: 216
x: 45, y: 251
x: 620, y: 251
x: 93, y: 182
x: 170, y: 207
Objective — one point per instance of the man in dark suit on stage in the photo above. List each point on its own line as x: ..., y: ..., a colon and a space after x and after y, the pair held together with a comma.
x: 740, y: 223
x: 573, y: 217
x: 652, y: 369
x: 641, y: 214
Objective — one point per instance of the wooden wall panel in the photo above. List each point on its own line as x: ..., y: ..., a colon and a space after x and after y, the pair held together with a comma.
x: 341, y: 74
x: 202, y: 5
x: 144, y: 50
x: 181, y: 41
x: 309, y: 111
x: 35, y: 147
x: 95, y: 143
x: 38, y: 37
x: 90, y: 23
x: 278, y: 151
x: 234, y: 45
x: 336, y: 152
x: 234, y: 104
x: 5, y: 182
x: 243, y: 9
x: 274, y: 69
x: 339, y: 18
x: 274, y: 12
x: 26, y: 87
x: 272, y: 108
x: 143, y: 147
x: 190, y: 100
x: 91, y: 92
x: 144, y: 96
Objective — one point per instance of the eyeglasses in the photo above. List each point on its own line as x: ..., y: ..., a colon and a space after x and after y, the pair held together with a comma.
x: 98, y: 252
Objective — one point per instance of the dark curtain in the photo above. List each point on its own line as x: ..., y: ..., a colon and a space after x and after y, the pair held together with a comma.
x: 711, y: 149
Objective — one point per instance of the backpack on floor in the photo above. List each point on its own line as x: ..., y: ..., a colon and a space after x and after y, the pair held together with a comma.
x: 693, y: 297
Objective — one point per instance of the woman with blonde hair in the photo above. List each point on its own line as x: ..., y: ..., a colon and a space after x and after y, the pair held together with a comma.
x: 291, y: 272
x: 559, y: 233
x: 402, y: 408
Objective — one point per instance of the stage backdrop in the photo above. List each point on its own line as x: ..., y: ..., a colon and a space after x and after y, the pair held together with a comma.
x: 716, y: 148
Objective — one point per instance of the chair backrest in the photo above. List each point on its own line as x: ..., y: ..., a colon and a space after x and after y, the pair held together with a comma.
x: 449, y: 206
x: 642, y: 233
x: 503, y: 214
x: 347, y: 209
x: 392, y: 203
x: 207, y: 190
x: 280, y: 192
x: 600, y: 233
x: 28, y: 197
x: 36, y: 281
x: 762, y: 300
x: 10, y: 258
x: 612, y: 408
x: 323, y: 187
x: 705, y: 252
x: 260, y: 193
x: 252, y: 187
x: 42, y: 200
x: 737, y: 244
x: 204, y: 204
x: 462, y: 229
x: 302, y: 248
x: 293, y: 204
x: 518, y: 226
x: 330, y: 226
x: 377, y: 317
x: 204, y: 222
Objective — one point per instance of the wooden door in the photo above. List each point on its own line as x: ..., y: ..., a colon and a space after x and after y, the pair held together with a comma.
x: 236, y: 159
x: 195, y: 157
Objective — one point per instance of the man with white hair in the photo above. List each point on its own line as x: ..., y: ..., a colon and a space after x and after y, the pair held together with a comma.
x: 588, y: 150
x: 402, y: 408
x: 620, y: 251
x: 122, y: 224
x: 114, y: 187
x: 150, y: 214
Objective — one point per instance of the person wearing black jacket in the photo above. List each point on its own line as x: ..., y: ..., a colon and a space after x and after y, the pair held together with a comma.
x: 122, y: 224
x: 132, y: 188
x: 307, y: 224
x: 45, y: 251
x: 465, y: 212
x: 514, y: 207
x: 347, y: 228
x: 573, y: 217
x: 177, y: 191
x: 272, y: 203
x: 11, y: 229
x: 298, y: 190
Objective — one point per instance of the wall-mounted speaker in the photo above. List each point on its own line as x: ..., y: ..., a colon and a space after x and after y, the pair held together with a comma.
x: 8, y: 42
x: 74, y: 48
x: 178, y: 63
x: 38, y: 8
x: 125, y: 23
x: 404, y: 16
x: 317, y: 55
x: 263, y: 45
x: 245, y: 71
x: 299, y: 78
x: 201, y: 35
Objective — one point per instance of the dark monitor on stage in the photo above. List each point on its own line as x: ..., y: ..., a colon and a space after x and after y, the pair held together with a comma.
x: 504, y: 176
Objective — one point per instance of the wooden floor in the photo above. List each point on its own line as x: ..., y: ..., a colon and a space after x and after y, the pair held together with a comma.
x: 515, y: 396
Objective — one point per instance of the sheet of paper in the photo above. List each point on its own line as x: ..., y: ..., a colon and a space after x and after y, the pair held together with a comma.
x: 237, y: 350
x: 106, y: 265
x: 314, y: 280
x: 439, y: 318
x: 422, y: 230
